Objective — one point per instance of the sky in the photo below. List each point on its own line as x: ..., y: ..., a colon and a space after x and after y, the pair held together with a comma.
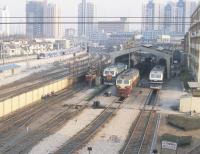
x: 69, y: 7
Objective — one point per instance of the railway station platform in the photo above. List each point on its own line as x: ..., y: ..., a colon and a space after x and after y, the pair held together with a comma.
x: 8, y: 70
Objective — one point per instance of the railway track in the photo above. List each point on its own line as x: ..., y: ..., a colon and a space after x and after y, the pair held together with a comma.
x: 17, y: 61
x: 12, y: 91
x: 141, y: 135
x: 28, y: 140
x: 88, y: 132
x: 24, y: 144
x: 27, y: 113
x: 196, y: 150
x: 43, y: 131
x: 29, y: 84
x: 21, y: 118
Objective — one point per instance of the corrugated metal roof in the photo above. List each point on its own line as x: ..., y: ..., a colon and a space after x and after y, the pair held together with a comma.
x: 8, y: 67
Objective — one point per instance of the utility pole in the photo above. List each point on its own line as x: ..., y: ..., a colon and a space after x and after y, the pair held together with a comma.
x: 27, y: 54
x: 129, y: 59
x: 189, y: 50
x: 2, y: 54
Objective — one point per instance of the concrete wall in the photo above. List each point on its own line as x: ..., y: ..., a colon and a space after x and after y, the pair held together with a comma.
x: 190, y: 104
x: 20, y: 101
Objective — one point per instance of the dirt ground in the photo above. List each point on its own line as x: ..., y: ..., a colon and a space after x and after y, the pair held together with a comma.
x: 166, y: 128
x: 170, y: 96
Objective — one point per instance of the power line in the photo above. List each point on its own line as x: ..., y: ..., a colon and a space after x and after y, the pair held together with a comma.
x: 71, y: 17
x: 148, y: 23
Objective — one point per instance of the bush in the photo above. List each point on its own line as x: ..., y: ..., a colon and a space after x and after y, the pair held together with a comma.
x: 184, y: 122
x: 185, y: 77
x: 180, y: 140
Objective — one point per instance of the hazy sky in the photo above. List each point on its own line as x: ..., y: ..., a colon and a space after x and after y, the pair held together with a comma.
x: 69, y: 7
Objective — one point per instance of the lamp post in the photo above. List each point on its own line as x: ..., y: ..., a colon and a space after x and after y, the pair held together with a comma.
x: 155, y: 151
x: 89, y: 149
x: 129, y: 59
x: 27, y: 55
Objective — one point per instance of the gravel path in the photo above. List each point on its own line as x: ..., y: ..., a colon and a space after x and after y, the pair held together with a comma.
x: 112, y: 137
x: 53, y: 142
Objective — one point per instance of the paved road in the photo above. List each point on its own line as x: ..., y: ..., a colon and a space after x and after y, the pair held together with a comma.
x: 170, y: 95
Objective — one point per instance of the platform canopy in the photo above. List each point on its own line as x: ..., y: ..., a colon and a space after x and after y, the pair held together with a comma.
x: 8, y: 67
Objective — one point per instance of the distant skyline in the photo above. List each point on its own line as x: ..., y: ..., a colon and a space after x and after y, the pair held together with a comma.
x: 70, y: 8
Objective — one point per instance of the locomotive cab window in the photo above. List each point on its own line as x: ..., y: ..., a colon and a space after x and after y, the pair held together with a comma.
x: 106, y: 72
x: 112, y: 72
x: 158, y: 76
x: 126, y: 81
x: 119, y: 81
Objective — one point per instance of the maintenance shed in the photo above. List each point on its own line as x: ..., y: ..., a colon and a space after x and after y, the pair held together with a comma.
x: 191, y: 102
x: 8, y: 70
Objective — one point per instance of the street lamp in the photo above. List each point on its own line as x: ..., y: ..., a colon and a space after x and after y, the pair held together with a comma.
x: 155, y: 151
x: 27, y: 55
x: 89, y: 149
x: 129, y: 59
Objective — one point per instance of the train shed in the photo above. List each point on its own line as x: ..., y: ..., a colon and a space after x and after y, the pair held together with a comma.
x: 191, y: 102
x: 8, y: 70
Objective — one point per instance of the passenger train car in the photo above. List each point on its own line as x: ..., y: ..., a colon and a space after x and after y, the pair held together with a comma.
x: 58, y: 53
x: 126, y: 82
x: 156, y: 77
x: 110, y: 73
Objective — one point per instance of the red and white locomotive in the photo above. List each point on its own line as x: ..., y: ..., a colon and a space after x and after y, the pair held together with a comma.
x: 126, y: 82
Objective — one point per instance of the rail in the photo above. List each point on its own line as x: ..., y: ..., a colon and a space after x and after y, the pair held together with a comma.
x: 42, y: 131
x: 88, y: 132
x: 196, y: 150
x: 141, y: 134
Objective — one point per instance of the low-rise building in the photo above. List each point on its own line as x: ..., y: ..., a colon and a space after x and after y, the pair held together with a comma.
x: 36, y: 48
x: 192, y: 45
x: 62, y: 44
x: 12, y: 50
x: 166, y: 39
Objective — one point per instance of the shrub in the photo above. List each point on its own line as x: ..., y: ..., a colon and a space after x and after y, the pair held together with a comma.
x: 184, y: 122
x: 180, y: 140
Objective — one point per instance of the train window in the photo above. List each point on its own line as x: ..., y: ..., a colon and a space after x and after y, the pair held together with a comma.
x: 119, y: 81
x: 126, y: 81
x: 158, y: 76
x: 112, y: 72
x: 106, y: 72
x: 153, y: 76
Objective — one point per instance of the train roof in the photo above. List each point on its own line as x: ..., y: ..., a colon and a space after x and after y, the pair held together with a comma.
x: 128, y: 74
x: 158, y: 68
x: 119, y: 65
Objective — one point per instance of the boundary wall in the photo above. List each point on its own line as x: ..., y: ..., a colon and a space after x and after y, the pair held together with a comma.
x: 12, y: 104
